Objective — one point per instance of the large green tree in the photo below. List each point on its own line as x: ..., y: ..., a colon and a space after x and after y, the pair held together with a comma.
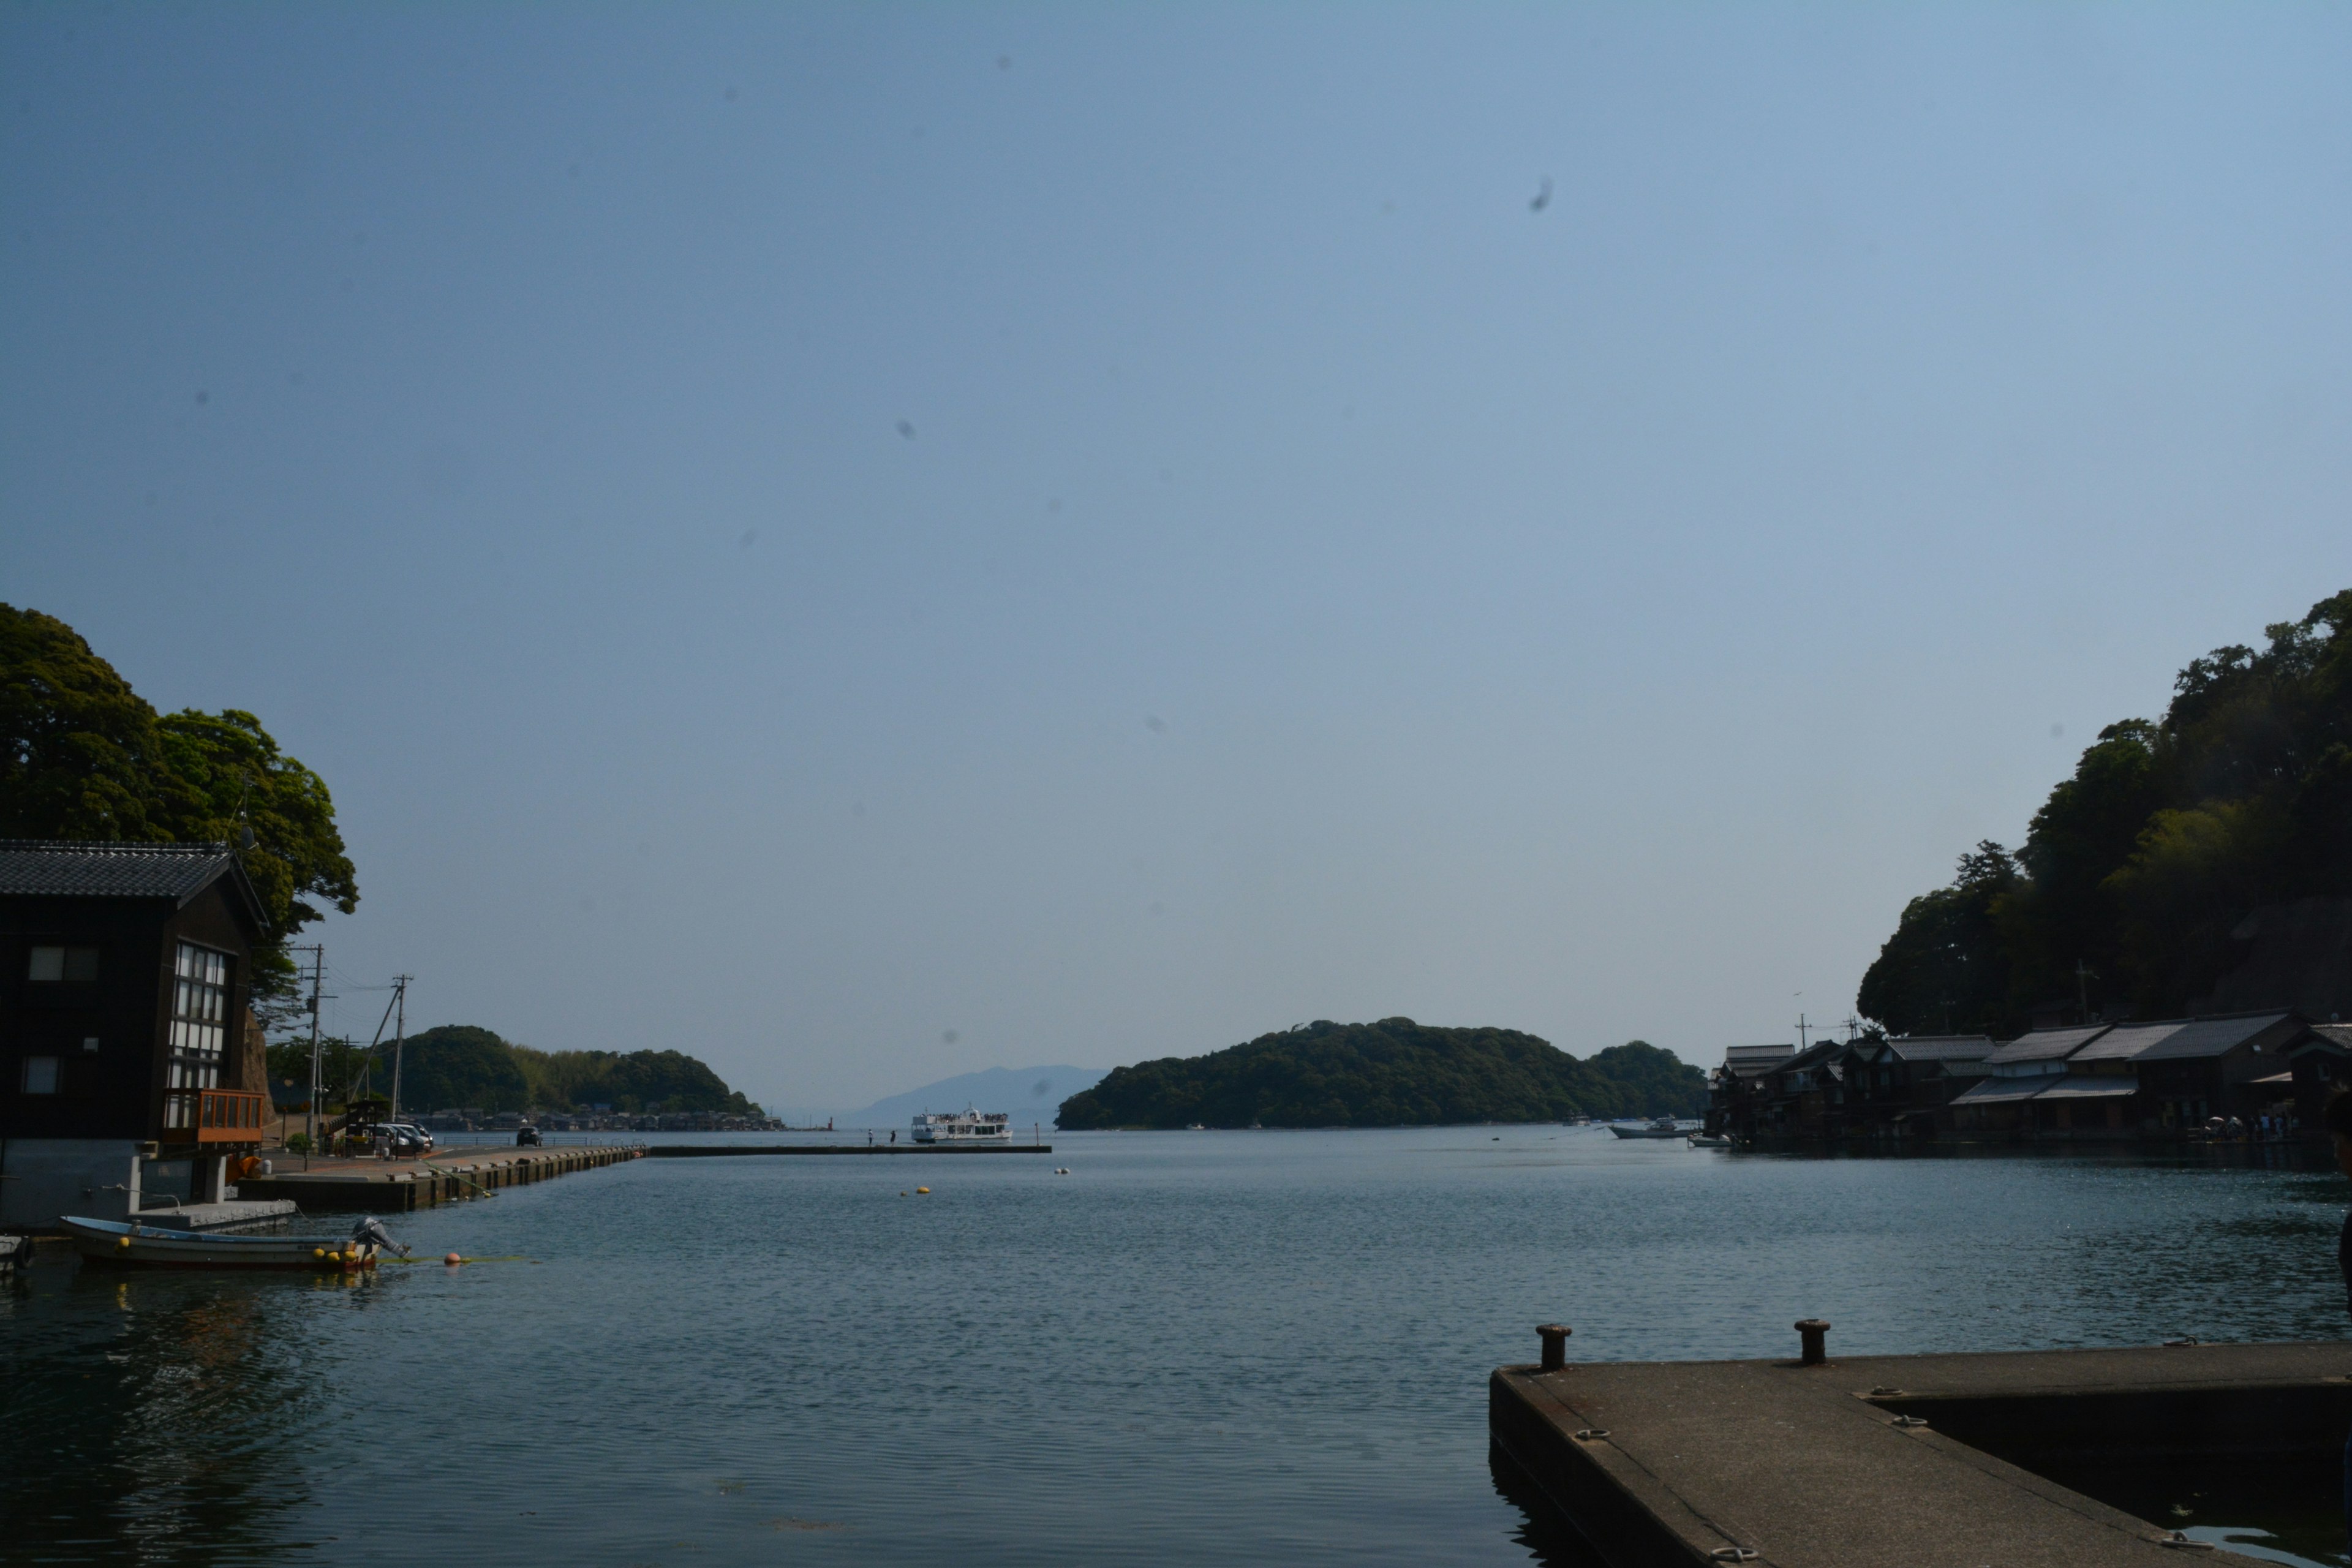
x: 2139, y: 868
x: 83, y: 756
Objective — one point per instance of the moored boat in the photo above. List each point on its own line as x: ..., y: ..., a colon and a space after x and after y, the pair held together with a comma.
x: 133, y: 1246
x: 1659, y: 1127
x: 966, y: 1127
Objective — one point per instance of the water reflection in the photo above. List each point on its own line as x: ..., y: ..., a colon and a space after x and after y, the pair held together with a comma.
x: 1202, y: 1348
x: 142, y: 1410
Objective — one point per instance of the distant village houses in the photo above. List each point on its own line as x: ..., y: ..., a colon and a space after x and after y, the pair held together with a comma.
x: 2252, y: 1074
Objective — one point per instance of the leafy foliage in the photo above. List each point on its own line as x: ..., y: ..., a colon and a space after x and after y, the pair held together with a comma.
x: 460, y: 1066
x: 1393, y: 1073
x: 82, y: 756
x: 2140, y: 866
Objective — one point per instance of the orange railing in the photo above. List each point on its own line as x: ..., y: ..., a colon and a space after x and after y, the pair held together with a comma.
x: 212, y: 1116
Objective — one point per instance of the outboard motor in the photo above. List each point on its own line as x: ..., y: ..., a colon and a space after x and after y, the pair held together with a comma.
x: 370, y: 1232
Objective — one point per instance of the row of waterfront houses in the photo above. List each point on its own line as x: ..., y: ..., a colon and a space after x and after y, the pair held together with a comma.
x: 2267, y: 1072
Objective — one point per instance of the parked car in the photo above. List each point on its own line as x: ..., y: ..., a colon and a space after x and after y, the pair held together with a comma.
x: 527, y: 1137
x: 407, y: 1138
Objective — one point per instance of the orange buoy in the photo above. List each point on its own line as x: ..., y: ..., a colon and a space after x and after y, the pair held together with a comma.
x: 453, y: 1260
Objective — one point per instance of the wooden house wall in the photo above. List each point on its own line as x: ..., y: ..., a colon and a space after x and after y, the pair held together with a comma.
x: 115, y: 1091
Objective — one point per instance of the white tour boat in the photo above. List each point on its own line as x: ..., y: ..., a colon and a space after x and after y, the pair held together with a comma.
x: 963, y: 1127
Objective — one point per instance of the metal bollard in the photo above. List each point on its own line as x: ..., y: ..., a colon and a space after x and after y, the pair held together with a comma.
x: 1555, y: 1345
x: 1813, y: 1331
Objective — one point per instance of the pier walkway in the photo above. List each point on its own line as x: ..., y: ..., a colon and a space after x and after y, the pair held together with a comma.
x: 398, y: 1186
x: 699, y: 1151
x: 1879, y: 1460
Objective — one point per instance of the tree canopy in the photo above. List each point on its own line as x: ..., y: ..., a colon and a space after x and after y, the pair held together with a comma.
x: 1392, y: 1073
x: 460, y: 1066
x: 82, y: 756
x: 2140, y: 866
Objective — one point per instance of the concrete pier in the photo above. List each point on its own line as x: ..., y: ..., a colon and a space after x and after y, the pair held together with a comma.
x: 399, y: 1186
x: 699, y: 1151
x: 1917, y: 1460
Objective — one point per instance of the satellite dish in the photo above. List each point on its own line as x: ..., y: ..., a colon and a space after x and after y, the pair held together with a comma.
x: 245, y: 837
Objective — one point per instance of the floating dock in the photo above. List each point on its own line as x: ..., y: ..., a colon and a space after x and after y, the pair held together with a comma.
x: 700, y: 1150
x: 398, y: 1186
x: 1929, y: 1461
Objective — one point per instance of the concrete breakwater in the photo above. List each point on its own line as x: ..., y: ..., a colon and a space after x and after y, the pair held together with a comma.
x: 1928, y: 1460
x: 702, y: 1150
x: 398, y: 1186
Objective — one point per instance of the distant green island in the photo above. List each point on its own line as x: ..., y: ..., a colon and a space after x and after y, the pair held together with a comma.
x: 1392, y: 1073
x: 462, y: 1067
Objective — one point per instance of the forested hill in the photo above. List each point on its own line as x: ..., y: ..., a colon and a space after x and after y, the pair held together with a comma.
x: 459, y: 1067
x: 1393, y: 1073
x: 2145, y: 866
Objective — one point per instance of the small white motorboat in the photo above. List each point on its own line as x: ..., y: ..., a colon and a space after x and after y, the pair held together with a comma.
x: 1709, y: 1141
x: 1660, y: 1127
x: 132, y: 1246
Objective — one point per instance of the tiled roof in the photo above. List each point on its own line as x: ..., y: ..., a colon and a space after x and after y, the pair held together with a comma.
x: 39, y: 868
x: 2045, y: 1044
x: 2211, y: 1036
x: 2125, y: 1041
x: 1751, y: 1061
x: 1941, y: 1048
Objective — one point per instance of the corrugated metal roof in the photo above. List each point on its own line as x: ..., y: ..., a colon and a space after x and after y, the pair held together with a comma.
x: 2125, y: 1041
x: 1997, y: 1091
x: 35, y: 868
x: 1942, y: 1047
x: 2045, y: 1044
x: 2210, y: 1037
x: 2082, y: 1085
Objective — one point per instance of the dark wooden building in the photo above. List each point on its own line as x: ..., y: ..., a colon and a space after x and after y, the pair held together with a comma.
x: 125, y: 972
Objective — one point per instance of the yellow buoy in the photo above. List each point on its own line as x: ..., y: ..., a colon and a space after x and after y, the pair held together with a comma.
x: 122, y: 1243
x: 922, y: 1190
x: 318, y: 1252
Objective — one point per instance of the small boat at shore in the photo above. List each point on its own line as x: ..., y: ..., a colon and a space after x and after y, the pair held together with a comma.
x: 131, y: 1245
x: 1710, y: 1141
x: 1659, y: 1127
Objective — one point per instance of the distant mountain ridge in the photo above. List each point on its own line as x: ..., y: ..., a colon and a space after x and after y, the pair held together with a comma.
x: 1392, y: 1073
x: 1025, y: 1094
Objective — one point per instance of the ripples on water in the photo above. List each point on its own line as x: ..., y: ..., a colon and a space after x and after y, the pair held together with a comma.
x: 1197, y: 1348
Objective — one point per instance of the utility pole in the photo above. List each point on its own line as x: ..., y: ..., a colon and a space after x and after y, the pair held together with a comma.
x: 2082, y: 978
x: 318, y: 951
x: 1801, y: 1027
x: 399, y: 1033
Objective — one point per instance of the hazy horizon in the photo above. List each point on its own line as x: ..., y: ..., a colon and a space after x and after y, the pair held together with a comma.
x: 863, y: 543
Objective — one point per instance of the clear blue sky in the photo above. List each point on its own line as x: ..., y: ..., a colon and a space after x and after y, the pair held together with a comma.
x: 793, y: 531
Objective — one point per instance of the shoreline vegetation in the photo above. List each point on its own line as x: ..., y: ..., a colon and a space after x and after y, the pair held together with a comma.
x: 461, y: 1065
x: 1391, y: 1073
x: 2201, y: 863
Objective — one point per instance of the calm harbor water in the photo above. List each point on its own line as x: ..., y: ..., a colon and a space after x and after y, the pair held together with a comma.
x: 1196, y: 1348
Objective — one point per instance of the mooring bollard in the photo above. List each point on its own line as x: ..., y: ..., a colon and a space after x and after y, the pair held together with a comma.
x: 1813, y: 1331
x: 1555, y: 1345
